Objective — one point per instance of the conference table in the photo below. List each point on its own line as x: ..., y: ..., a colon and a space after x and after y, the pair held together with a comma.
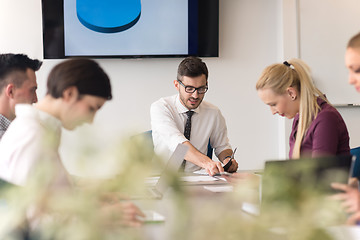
x: 194, y: 210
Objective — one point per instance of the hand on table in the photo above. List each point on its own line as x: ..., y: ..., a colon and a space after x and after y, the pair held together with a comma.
x: 213, y: 168
x: 350, y: 197
x: 353, y: 219
x: 121, y: 214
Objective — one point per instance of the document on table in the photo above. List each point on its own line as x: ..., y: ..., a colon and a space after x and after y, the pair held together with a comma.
x: 251, y: 208
x: 151, y: 181
x: 219, y: 189
x: 201, y: 172
x: 200, y: 178
x: 152, y: 217
x: 344, y: 232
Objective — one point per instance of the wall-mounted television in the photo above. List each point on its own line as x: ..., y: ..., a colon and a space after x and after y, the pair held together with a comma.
x: 130, y: 28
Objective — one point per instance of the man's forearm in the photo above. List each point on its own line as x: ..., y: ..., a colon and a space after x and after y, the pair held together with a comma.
x: 195, y: 156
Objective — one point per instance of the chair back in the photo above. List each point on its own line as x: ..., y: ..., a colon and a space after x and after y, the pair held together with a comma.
x: 148, y: 135
x: 356, y: 166
x: 210, y: 150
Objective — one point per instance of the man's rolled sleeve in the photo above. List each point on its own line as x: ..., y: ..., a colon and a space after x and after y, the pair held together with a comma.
x: 219, y: 139
x: 164, y: 128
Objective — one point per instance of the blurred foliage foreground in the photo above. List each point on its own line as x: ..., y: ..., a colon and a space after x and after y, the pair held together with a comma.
x: 290, y: 209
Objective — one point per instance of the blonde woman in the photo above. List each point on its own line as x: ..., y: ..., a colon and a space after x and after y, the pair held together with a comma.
x: 352, y: 61
x: 351, y: 196
x: 318, y: 129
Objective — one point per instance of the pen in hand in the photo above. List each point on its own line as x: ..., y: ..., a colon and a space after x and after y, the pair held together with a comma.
x: 233, y: 155
x: 228, y: 164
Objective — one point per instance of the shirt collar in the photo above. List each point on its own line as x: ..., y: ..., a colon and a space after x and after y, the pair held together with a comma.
x: 181, y: 108
x: 4, y: 122
x: 45, y: 119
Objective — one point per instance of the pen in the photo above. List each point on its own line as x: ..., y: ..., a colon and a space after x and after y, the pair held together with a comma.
x: 228, y: 164
x: 232, y: 156
x: 222, y: 173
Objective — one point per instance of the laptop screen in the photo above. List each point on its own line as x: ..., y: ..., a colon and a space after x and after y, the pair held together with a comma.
x: 171, y: 167
x: 290, y: 181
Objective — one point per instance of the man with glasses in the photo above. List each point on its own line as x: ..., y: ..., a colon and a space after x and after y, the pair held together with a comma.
x: 185, y: 118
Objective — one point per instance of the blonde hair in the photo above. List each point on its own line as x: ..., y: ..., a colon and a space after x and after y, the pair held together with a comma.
x: 294, y: 73
x: 354, y: 42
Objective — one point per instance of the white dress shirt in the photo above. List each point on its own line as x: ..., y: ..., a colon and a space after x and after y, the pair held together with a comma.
x: 31, y: 142
x: 168, y: 118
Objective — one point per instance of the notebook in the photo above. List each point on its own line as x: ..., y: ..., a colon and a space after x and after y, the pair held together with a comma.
x: 173, y: 165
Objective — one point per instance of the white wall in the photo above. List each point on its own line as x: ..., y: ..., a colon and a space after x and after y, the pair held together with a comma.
x: 251, y: 37
x: 323, y: 36
x: 320, y: 31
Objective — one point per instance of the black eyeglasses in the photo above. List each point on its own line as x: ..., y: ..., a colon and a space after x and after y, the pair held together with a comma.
x: 191, y: 89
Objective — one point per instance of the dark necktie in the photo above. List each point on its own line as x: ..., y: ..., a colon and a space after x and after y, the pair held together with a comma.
x: 187, y: 131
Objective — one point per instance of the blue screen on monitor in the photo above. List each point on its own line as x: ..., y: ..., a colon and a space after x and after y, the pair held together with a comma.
x: 130, y: 28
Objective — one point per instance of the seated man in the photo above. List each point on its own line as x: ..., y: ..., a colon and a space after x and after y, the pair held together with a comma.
x: 185, y: 118
x: 17, y: 85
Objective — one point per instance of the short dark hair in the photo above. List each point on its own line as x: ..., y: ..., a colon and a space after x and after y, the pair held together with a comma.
x: 85, y: 74
x: 10, y: 63
x: 192, y: 67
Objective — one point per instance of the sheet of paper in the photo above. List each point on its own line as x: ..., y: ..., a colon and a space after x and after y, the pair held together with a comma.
x: 151, y: 180
x: 344, y: 232
x: 219, y: 189
x: 251, y: 208
x: 200, y: 178
x: 201, y: 172
x: 151, y: 217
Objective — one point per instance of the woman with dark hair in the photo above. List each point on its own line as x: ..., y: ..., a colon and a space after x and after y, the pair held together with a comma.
x: 76, y: 90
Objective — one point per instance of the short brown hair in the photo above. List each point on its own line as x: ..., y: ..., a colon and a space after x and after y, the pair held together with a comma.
x: 85, y: 74
x: 192, y: 67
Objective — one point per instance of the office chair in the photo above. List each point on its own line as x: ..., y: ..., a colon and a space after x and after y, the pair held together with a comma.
x: 356, y: 167
x: 148, y: 135
x: 210, y: 150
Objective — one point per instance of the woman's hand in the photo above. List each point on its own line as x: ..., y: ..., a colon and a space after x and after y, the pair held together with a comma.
x: 350, y: 197
x: 123, y: 213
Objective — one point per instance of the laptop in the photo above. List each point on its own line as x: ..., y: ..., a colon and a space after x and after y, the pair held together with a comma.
x: 287, y: 182
x: 316, y: 173
x: 173, y: 165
